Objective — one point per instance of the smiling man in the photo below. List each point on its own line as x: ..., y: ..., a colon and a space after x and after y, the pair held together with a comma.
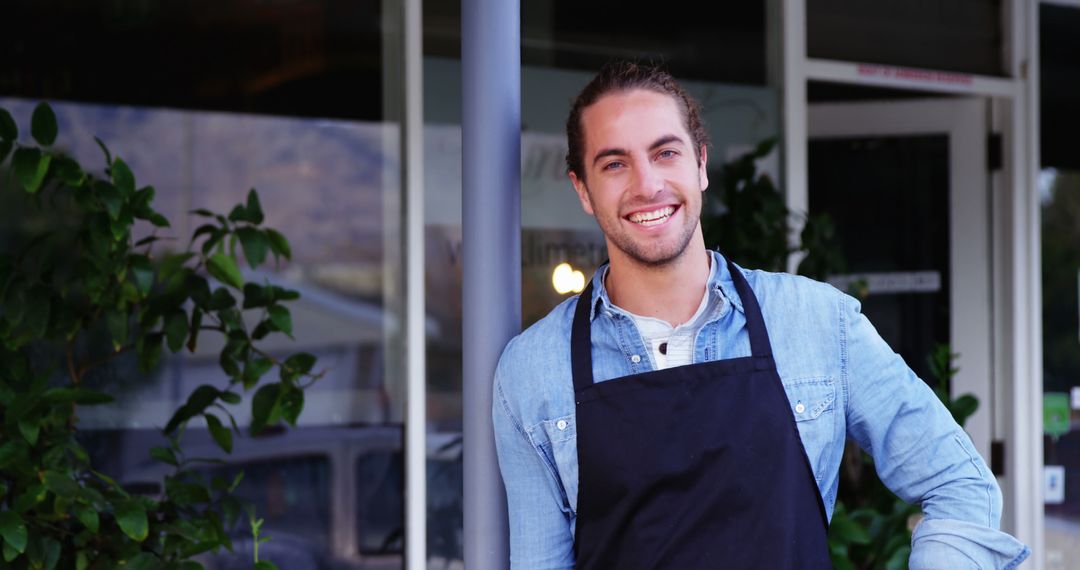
x: 683, y: 412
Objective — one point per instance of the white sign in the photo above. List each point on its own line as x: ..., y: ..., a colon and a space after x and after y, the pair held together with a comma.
x: 891, y: 282
x: 1054, y: 484
x: 1075, y: 397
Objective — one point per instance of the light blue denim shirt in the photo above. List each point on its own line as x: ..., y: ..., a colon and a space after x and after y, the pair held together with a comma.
x: 841, y: 380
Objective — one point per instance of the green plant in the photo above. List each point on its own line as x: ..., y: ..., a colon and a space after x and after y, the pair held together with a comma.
x: 80, y: 295
x: 746, y: 218
x: 871, y: 527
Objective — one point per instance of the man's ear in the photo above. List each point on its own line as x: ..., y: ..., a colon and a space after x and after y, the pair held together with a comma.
x: 703, y: 172
x: 582, y: 192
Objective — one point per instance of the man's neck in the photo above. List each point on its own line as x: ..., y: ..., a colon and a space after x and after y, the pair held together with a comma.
x: 670, y: 292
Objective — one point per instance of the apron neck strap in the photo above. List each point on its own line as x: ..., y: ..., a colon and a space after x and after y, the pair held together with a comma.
x: 581, y: 333
x: 755, y: 323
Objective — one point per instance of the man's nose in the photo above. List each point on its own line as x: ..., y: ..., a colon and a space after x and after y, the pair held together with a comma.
x: 647, y: 179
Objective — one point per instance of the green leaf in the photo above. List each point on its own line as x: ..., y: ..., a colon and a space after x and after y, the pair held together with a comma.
x: 255, y: 244
x: 223, y: 268
x: 196, y: 324
x: 282, y: 320
x: 30, y: 427
x: 123, y: 178
x: 899, y: 559
x: 301, y: 362
x: 221, y: 434
x: 279, y: 244
x: 13, y: 530
x: 230, y: 397
x: 9, y: 552
x: 264, y: 406
x: 104, y: 149
x: 176, y: 329
x: 110, y: 198
x: 117, y: 324
x: 142, y: 561
x: 848, y: 530
x: 265, y: 565
x: 30, y: 498
x: 61, y: 485
x: 131, y: 517
x: 963, y: 407
x: 254, y: 209
x: 158, y: 220
x: 5, y: 148
x: 9, y: 131
x: 52, y: 553
x: 68, y: 171
x: 142, y: 272
x: 82, y: 562
x: 201, y: 398
x: 291, y: 404
x: 43, y: 124
x: 164, y: 455
x: 30, y: 166
x: 254, y: 370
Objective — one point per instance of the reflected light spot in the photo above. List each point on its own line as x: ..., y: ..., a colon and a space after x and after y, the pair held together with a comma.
x: 566, y: 279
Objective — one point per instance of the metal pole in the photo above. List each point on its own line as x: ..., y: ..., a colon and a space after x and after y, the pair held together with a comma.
x: 412, y: 147
x: 491, y: 232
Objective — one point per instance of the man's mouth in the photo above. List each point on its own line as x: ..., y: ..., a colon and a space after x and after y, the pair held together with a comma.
x: 653, y: 217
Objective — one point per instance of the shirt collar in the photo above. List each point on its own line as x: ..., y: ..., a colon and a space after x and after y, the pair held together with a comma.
x: 720, y: 284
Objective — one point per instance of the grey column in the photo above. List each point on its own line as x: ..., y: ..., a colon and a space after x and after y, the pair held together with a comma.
x: 491, y: 228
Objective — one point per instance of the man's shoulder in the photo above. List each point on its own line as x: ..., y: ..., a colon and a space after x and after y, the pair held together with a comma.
x: 540, y: 351
x: 789, y: 292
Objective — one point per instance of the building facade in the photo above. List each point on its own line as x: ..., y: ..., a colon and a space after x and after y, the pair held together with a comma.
x: 937, y: 137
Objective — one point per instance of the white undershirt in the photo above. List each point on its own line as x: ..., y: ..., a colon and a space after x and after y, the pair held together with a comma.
x: 680, y: 339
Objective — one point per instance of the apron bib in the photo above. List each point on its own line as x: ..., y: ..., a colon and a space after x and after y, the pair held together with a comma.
x: 698, y: 466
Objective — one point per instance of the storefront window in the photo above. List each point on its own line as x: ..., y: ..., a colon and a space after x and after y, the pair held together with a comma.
x: 960, y: 35
x: 1060, y: 197
x: 205, y: 100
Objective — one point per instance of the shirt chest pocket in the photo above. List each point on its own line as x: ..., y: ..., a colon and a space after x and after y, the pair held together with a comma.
x: 813, y: 407
x: 556, y: 441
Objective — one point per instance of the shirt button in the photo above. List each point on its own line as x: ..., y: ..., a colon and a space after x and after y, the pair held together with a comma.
x: 561, y: 424
x: 800, y: 408
x: 635, y: 359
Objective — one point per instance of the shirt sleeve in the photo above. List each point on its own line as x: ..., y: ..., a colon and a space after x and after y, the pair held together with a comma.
x: 921, y: 453
x: 541, y: 534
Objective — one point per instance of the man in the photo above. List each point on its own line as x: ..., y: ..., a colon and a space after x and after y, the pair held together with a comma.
x: 685, y: 413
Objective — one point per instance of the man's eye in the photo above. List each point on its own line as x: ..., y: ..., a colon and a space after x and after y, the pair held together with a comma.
x: 667, y: 154
x: 614, y: 165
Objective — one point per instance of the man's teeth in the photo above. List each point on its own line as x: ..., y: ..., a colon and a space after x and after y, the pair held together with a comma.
x: 654, y: 217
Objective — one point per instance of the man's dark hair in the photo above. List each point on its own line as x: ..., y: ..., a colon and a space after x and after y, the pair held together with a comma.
x: 620, y: 76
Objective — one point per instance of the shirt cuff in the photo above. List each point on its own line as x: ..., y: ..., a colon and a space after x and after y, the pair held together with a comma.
x: 954, y: 544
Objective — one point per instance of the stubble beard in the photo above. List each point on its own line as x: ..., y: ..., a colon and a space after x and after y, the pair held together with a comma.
x: 650, y: 257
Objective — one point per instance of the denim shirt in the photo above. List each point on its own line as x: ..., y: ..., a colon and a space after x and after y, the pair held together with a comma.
x: 841, y: 379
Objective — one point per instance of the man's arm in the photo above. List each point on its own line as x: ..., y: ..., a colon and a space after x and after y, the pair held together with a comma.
x: 540, y: 532
x: 922, y: 455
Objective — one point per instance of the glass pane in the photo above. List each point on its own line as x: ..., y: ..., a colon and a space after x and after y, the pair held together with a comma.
x: 959, y: 35
x: 205, y: 100
x: 1061, y: 364
x: 563, y: 45
x: 888, y: 197
x: 1060, y: 195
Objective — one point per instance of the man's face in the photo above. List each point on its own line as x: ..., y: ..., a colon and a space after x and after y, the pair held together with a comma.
x: 643, y: 181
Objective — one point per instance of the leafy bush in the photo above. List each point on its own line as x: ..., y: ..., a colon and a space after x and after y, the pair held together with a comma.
x: 80, y: 292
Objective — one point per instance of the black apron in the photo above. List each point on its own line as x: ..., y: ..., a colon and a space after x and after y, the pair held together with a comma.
x: 698, y: 466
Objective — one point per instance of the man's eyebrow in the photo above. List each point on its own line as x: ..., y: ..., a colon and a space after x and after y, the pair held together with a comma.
x: 666, y: 139
x: 609, y: 152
